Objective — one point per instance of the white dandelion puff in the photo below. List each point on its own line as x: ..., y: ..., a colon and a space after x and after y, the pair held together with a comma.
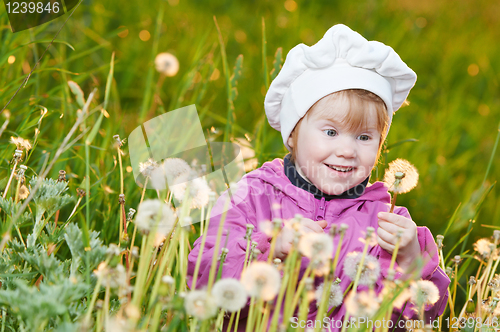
x: 483, y: 247
x: 266, y: 227
x: 362, y: 304
x: 167, y: 64
x: 335, y: 296
x: 21, y: 143
x: 180, y: 177
x: 147, y: 215
x: 148, y: 167
x: 424, y: 292
x: 369, y: 272
x: 169, y: 280
x: 229, y: 294
x: 261, y: 280
x: 199, y: 191
x: 401, y: 177
x: 118, y: 324
x: 174, y: 167
x: 112, y: 277
x: 316, y: 245
x: 200, y: 304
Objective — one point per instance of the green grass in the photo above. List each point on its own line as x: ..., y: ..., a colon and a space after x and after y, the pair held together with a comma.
x: 454, y: 110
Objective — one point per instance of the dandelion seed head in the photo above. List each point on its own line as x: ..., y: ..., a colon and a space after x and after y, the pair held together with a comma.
x: 180, y: 177
x: 175, y: 167
x: 118, y: 324
x: 199, y: 192
x: 148, y: 167
x: 370, y: 271
x: 483, y: 247
x: 199, y: 304
x: 113, y: 250
x: 362, y: 304
x: 393, y: 180
x: 166, y: 279
x: 335, y: 296
x: 424, y: 292
x: 261, y: 280
x: 112, y: 277
x: 229, y: 294
x: 21, y: 143
x: 147, y: 215
x: 266, y: 227
x: 167, y: 64
x: 316, y: 245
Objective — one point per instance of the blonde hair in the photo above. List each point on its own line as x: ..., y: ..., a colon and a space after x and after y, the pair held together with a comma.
x: 355, y: 119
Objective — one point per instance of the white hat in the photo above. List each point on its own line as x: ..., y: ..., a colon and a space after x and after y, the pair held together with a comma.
x: 342, y: 59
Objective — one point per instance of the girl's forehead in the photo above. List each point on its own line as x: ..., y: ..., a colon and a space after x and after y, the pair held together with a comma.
x: 344, y: 113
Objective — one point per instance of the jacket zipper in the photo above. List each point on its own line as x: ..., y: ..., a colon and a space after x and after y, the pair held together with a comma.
x: 320, y: 213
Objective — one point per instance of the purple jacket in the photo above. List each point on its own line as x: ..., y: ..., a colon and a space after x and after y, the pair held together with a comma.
x: 260, y: 189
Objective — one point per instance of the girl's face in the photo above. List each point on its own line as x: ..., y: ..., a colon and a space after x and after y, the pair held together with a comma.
x: 333, y: 158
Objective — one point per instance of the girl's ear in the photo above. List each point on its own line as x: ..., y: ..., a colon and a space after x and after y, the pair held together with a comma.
x: 290, y: 141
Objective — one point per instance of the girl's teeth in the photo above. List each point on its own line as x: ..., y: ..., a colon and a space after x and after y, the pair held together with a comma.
x: 341, y: 169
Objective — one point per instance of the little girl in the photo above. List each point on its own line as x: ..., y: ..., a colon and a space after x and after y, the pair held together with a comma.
x: 333, y: 104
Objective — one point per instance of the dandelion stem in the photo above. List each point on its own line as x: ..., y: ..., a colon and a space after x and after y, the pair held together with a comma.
x: 393, y: 203
x: 94, y: 296
x: 337, y: 254
x: 304, y: 305
x: 258, y: 315
x: 10, y: 178
x: 395, y: 253
x: 360, y: 266
x: 156, y: 317
x: 135, y: 225
x: 325, y: 297
x: 273, y: 245
x: 105, y: 307
x: 237, y: 321
x: 200, y: 254
x: 358, y: 275
x: 219, y: 321
x: 293, y: 269
x: 279, y: 301
x: 302, y: 283
x: 249, y: 326
x: 247, y: 252
x: 231, y: 321
x: 211, y: 276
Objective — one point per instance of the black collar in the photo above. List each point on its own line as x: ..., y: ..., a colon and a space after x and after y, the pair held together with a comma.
x: 299, y: 181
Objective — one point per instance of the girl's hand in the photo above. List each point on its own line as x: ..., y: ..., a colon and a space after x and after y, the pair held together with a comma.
x: 285, y: 236
x: 409, y: 247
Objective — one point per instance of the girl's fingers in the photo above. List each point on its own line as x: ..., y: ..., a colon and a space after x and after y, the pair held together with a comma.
x: 386, y: 236
x: 389, y: 227
x: 385, y: 245
x: 393, y: 218
x: 312, y: 226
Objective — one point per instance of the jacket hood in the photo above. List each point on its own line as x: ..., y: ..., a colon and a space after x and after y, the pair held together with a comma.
x: 273, y: 172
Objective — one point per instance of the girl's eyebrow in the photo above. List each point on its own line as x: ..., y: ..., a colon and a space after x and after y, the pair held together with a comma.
x: 336, y: 122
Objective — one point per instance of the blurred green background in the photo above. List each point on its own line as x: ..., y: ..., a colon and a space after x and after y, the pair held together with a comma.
x: 454, y: 109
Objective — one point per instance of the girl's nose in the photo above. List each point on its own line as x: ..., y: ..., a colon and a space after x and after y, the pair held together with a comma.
x: 346, y: 149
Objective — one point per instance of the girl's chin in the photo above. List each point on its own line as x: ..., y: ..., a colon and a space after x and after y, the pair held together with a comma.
x: 336, y: 191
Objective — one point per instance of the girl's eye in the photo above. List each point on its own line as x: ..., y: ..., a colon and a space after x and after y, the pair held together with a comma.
x: 364, y: 137
x: 330, y: 132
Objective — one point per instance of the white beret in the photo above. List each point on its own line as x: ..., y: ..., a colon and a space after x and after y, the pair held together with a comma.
x: 342, y: 59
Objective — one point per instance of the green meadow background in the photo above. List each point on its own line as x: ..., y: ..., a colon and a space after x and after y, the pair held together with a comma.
x: 454, y: 110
